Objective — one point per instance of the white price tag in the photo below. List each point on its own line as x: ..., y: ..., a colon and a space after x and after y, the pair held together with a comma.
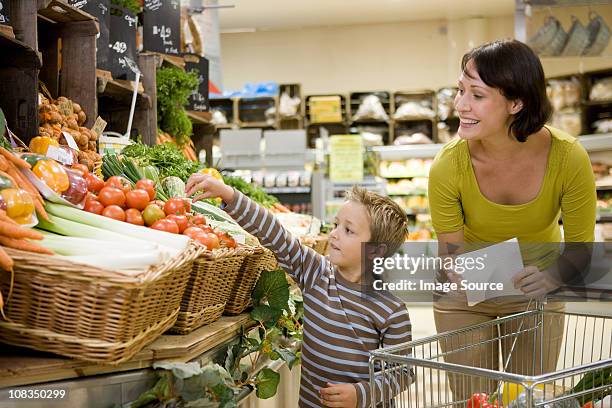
x: 61, y: 155
x: 99, y: 126
x: 70, y: 140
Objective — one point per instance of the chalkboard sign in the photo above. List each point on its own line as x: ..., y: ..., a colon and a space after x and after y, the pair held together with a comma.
x: 162, y: 26
x: 101, y: 10
x: 122, y: 42
x: 4, y: 12
x: 198, y: 101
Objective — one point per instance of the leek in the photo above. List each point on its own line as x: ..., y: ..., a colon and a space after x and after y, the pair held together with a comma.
x: 62, y: 245
x: 119, y: 228
x: 140, y: 261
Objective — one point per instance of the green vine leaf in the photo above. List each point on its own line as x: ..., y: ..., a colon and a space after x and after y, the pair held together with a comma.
x: 272, y: 288
x: 288, y: 356
x: 266, y: 383
x: 266, y: 315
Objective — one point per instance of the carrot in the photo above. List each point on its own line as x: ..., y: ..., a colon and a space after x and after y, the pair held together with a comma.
x: 281, y: 208
x: 13, y: 159
x: 6, y: 262
x: 3, y: 163
x: 24, y: 245
x: 13, y: 231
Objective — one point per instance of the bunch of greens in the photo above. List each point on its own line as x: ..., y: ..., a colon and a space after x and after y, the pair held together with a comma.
x: 254, y: 193
x: 132, y: 5
x: 173, y: 89
x: 166, y: 157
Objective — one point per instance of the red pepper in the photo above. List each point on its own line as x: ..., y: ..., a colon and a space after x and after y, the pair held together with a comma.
x: 482, y: 400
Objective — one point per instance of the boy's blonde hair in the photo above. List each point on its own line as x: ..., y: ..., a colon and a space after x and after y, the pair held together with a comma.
x: 388, y: 221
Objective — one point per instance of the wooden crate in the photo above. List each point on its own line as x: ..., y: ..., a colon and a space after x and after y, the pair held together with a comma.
x: 330, y: 108
x: 356, y: 98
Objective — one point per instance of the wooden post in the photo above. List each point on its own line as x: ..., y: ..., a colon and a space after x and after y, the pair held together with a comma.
x: 146, y: 116
x: 24, y: 19
x: 78, y: 81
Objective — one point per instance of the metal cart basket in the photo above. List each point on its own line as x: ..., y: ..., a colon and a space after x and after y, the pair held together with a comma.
x: 532, y: 367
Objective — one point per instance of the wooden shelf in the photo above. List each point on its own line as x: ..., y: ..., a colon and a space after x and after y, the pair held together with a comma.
x: 19, y: 366
x: 202, y: 118
x: 597, y: 103
x: 17, y: 54
x: 60, y: 12
x: 121, y: 91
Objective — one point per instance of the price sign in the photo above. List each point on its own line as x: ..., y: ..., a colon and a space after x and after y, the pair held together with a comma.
x: 122, y: 42
x: 101, y: 10
x: 4, y: 12
x: 198, y: 100
x: 162, y: 26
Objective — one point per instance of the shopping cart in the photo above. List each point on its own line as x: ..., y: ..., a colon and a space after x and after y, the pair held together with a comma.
x: 564, y: 371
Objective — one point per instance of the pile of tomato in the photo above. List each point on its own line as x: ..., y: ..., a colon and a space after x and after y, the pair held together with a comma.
x: 116, y: 199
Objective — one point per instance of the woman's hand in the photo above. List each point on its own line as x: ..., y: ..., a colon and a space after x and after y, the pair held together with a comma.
x: 209, y: 187
x: 535, y: 283
x: 339, y: 395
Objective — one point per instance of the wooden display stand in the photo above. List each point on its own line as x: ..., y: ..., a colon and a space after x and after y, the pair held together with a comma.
x: 69, y: 72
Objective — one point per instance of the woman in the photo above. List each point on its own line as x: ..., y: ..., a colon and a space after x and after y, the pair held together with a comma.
x: 507, y: 176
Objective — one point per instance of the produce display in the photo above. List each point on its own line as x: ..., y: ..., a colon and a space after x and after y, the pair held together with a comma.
x: 63, y: 115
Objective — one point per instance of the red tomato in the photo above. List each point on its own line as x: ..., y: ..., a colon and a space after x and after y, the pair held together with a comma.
x: 111, y: 196
x: 133, y: 216
x: 181, y: 221
x: 94, y: 206
x: 187, y: 204
x: 174, y: 206
x: 94, y: 183
x: 78, y: 166
x: 226, y: 241
x: 148, y: 186
x: 198, y: 219
x: 138, y: 199
x: 191, y: 232
x: 210, y: 240
x: 115, y: 212
x: 166, y: 225
x: 90, y: 197
x: 119, y: 182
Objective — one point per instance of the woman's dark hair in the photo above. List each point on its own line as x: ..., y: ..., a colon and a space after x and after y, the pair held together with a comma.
x: 513, y: 68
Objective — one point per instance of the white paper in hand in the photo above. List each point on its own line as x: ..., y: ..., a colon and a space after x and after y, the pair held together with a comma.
x: 501, y: 262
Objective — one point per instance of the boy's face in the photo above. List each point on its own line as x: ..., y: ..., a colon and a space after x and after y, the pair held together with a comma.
x: 351, y: 230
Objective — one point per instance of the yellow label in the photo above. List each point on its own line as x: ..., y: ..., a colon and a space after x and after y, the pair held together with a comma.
x: 346, y: 158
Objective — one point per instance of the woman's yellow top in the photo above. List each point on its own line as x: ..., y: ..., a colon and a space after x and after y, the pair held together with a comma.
x: 568, y: 190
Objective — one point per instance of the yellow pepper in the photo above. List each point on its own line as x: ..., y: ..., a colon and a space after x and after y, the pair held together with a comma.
x: 213, y: 172
x: 40, y: 144
x: 52, y: 174
x: 19, y: 204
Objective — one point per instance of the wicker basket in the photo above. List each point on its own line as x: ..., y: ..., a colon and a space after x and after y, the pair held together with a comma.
x: 577, y: 39
x: 599, y: 35
x: 545, y: 35
x: 90, y: 313
x: 260, y: 260
x: 212, y: 278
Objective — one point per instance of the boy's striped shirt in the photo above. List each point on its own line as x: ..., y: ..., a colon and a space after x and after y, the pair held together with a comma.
x: 341, y: 324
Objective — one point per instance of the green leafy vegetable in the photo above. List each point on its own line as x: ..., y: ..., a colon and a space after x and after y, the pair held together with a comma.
x: 267, y: 383
x: 173, y: 89
x: 166, y: 157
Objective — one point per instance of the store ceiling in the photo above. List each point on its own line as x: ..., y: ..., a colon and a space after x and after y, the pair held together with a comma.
x: 250, y: 15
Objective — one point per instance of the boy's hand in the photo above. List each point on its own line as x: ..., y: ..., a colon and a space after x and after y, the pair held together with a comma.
x: 209, y: 186
x: 339, y: 395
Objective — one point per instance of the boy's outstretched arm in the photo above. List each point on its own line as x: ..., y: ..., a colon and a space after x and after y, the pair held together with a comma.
x: 301, y: 262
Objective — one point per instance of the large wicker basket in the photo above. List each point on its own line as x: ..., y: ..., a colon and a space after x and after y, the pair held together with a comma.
x: 212, y: 278
x: 90, y: 313
x: 260, y: 260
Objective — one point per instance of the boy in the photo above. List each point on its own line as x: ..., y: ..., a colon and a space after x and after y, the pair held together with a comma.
x: 341, y: 324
